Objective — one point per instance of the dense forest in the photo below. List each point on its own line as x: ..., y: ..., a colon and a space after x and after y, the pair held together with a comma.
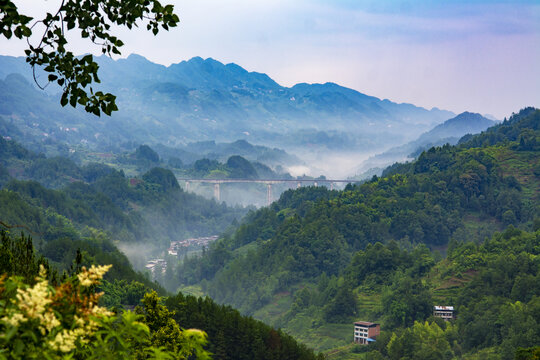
x: 317, y: 257
x: 493, y: 285
x: 38, y: 318
x: 459, y: 226
x: 197, y: 166
x: 77, y: 216
x: 150, y: 207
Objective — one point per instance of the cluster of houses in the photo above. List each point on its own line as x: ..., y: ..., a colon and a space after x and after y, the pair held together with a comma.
x: 366, y: 332
x: 159, y: 266
x: 156, y: 265
x: 178, y: 246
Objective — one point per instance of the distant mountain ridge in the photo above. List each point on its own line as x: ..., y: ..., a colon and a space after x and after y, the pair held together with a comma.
x: 448, y: 132
x: 464, y: 123
x: 204, y: 99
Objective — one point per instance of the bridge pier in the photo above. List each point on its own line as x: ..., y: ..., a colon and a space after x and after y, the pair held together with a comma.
x: 187, y: 186
x: 331, y: 186
x: 269, y: 194
x: 217, y: 192
x: 298, y: 185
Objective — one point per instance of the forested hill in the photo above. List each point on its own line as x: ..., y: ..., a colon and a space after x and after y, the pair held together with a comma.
x: 520, y: 127
x: 452, y: 193
x: 192, y: 152
x: 97, y: 206
x: 80, y: 223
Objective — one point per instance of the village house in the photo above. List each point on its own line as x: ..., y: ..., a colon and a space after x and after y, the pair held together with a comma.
x: 154, y: 264
x: 444, y: 312
x: 366, y: 332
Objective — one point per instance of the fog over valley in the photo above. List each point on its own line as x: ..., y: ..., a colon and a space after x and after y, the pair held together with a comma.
x: 330, y: 129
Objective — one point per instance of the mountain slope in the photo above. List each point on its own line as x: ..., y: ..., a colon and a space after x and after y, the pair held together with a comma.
x: 150, y: 210
x: 231, y: 335
x: 191, y: 152
x: 307, y: 238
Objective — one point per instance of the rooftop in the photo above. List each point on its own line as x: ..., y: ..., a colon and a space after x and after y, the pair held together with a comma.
x: 365, y: 323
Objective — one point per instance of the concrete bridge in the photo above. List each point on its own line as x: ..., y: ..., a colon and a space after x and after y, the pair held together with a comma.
x: 268, y: 182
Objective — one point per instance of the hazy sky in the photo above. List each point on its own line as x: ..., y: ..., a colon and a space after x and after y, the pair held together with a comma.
x: 481, y: 56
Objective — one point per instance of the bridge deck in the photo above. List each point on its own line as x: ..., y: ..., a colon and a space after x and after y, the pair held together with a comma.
x: 266, y: 181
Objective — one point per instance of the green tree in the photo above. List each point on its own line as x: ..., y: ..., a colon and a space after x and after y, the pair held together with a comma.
x: 17, y: 257
x: 422, y: 341
x: 406, y: 301
x: 528, y: 353
x: 41, y: 321
x: 508, y: 217
x: 162, y: 177
x: 94, y: 19
x: 342, y: 306
x: 166, y: 333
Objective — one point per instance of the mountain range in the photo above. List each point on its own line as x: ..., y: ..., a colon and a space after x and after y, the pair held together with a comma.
x: 204, y: 99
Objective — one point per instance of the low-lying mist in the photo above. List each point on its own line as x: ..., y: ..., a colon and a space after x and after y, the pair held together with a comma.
x: 139, y: 253
x: 241, y: 194
x: 331, y: 164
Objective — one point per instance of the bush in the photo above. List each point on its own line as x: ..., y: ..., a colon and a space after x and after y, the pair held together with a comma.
x: 64, y: 321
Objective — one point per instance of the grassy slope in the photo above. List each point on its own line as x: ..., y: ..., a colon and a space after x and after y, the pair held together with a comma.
x: 522, y: 165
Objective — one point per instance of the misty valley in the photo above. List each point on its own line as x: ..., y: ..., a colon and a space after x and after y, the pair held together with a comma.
x: 205, y: 211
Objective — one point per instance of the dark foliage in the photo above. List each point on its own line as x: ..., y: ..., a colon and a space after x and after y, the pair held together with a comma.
x: 233, y: 336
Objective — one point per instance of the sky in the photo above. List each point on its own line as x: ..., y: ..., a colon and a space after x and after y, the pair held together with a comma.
x: 480, y: 56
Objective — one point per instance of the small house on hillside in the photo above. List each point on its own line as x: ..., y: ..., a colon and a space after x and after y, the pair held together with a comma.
x: 444, y: 312
x: 366, y: 332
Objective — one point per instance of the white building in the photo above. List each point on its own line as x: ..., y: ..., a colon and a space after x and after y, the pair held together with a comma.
x: 365, y: 332
x: 444, y: 312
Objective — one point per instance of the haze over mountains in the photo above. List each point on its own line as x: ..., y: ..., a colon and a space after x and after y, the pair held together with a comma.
x: 185, y: 108
x: 206, y: 100
x: 448, y: 132
x: 230, y: 103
